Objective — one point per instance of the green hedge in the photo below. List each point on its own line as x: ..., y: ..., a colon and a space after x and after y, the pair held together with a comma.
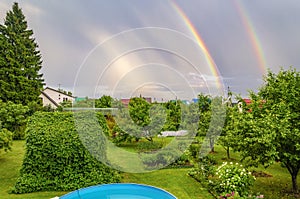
x: 57, y: 160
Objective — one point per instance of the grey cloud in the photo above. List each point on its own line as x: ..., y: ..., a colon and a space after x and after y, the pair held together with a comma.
x: 68, y: 30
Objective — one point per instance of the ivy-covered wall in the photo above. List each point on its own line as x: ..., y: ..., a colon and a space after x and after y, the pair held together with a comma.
x: 55, y: 157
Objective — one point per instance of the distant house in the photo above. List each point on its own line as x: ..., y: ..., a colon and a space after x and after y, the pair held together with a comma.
x: 247, y: 101
x: 148, y: 99
x: 54, y: 97
x: 125, y: 102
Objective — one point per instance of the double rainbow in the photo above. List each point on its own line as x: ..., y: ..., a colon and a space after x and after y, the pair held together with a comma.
x: 250, y: 29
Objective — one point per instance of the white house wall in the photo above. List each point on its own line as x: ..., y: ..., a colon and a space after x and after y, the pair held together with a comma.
x: 47, y: 102
x: 56, y: 96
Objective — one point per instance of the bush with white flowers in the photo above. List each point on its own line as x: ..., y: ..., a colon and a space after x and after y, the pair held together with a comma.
x: 233, y: 178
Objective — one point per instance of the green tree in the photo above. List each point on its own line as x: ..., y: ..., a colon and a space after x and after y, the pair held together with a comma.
x: 121, y: 129
x: 13, y: 117
x: 204, y: 103
x: 5, y: 139
x: 158, y: 118
x: 20, y: 60
x: 190, y: 112
x: 227, y: 137
x: 104, y: 102
x: 126, y: 129
x: 173, y: 120
x: 211, y: 121
x: 146, y: 120
x: 270, y: 129
x: 139, y: 110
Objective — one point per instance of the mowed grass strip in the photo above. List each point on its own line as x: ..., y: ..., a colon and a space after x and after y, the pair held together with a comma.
x: 175, y: 181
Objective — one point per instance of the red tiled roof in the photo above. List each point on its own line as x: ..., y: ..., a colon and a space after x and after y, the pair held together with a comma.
x: 247, y: 101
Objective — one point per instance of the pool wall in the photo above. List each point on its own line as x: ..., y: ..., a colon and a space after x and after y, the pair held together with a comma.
x: 119, y: 191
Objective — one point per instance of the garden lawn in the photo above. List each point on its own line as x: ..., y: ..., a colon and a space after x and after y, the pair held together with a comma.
x: 278, y: 186
x: 125, y: 154
x: 175, y: 181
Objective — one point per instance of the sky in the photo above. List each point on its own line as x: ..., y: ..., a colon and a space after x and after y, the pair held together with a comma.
x: 163, y: 49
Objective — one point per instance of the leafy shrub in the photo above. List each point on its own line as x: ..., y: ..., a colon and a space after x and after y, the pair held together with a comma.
x: 167, y: 157
x: 194, y: 150
x: 149, y: 146
x: 160, y: 159
x: 182, y: 162
x: 204, y: 170
x: 13, y: 117
x: 55, y: 157
x: 5, y: 139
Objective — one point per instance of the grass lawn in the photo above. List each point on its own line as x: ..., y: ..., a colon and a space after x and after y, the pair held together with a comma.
x: 277, y: 186
x: 176, y: 181
x: 126, y: 154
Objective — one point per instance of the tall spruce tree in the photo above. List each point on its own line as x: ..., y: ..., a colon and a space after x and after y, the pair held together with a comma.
x: 20, y: 60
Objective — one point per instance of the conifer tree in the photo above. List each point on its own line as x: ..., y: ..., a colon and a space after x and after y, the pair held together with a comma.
x: 20, y: 60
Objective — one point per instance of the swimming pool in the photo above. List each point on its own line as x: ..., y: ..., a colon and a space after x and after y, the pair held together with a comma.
x: 119, y: 191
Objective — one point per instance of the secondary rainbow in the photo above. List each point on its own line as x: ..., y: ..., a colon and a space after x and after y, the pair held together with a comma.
x: 213, y: 67
x: 255, y: 42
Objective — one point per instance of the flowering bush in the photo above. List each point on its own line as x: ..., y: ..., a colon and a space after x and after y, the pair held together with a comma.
x: 228, y: 181
x: 233, y: 179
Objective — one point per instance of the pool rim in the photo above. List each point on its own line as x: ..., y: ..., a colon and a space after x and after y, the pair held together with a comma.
x: 111, y: 184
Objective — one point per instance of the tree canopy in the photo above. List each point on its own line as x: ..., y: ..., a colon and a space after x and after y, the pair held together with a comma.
x: 104, y: 102
x: 211, y: 120
x: 270, y: 128
x: 173, y: 119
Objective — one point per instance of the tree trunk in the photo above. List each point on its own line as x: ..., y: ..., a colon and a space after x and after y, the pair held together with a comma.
x: 294, y: 172
x: 294, y: 181
x: 212, y: 147
x: 228, y: 152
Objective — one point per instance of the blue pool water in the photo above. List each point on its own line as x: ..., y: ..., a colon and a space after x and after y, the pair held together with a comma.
x: 119, y: 191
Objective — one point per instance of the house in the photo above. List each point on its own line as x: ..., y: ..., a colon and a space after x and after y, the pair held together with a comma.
x: 125, y: 102
x: 52, y: 97
x: 248, y: 102
x: 148, y: 99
